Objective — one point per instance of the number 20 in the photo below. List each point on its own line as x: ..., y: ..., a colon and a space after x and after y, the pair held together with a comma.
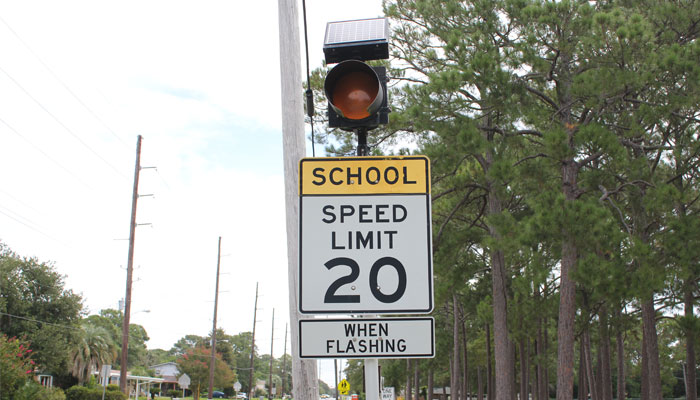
x: 331, y: 297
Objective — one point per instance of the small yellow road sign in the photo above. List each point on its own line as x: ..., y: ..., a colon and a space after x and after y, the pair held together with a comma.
x: 344, y: 387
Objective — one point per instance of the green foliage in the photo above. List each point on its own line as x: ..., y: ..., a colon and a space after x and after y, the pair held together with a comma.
x: 93, y: 349
x: 195, y: 363
x: 580, y: 119
x: 84, y: 393
x: 36, y: 305
x: 16, y: 365
x: 33, y: 391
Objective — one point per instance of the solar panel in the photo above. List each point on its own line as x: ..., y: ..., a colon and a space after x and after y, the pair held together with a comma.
x: 361, y: 39
x: 356, y: 31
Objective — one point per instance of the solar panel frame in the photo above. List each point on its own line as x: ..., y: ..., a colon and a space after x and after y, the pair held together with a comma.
x: 360, y: 39
x: 354, y: 31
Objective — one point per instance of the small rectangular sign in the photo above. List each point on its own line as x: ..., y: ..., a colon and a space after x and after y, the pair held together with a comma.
x: 411, y: 337
x: 364, y: 175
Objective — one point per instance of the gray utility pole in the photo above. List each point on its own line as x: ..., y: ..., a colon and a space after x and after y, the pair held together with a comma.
x: 294, y: 148
x: 251, y: 389
x: 129, y: 274
x: 272, y: 339
x: 213, y: 329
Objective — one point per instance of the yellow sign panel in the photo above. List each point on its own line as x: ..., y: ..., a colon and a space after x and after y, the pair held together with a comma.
x: 364, y: 175
x: 344, y: 387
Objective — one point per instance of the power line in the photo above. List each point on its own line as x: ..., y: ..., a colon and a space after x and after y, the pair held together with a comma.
x: 45, y: 154
x: 89, y: 110
x: 30, y: 227
x: 63, y: 125
x: 20, y: 201
x: 40, y: 322
x: 76, y: 328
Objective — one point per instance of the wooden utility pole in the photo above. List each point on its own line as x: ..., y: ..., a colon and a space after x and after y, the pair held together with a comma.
x: 213, y: 329
x: 272, y: 340
x: 252, y: 347
x: 129, y: 274
x: 294, y: 148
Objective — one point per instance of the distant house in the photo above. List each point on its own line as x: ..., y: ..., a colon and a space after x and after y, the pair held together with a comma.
x: 169, y: 372
x: 137, y: 384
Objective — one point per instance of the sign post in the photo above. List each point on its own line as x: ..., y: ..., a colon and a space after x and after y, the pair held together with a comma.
x: 105, y: 374
x: 184, y: 382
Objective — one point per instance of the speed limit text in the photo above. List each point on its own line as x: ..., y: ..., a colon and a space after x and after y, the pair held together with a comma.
x: 363, y: 214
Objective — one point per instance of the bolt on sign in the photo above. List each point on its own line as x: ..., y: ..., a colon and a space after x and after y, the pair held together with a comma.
x: 365, y: 243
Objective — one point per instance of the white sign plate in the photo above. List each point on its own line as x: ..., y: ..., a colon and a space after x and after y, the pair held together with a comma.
x: 388, y: 393
x: 367, y: 338
x: 184, y: 381
x: 365, y: 236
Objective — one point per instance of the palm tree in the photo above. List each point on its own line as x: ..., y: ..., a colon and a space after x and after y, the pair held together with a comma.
x: 94, y: 348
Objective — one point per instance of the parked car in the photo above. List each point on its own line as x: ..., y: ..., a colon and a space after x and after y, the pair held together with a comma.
x: 241, y: 396
x: 217, y: 395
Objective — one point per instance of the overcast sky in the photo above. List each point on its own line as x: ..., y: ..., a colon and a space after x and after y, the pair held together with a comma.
x: 79, y: 80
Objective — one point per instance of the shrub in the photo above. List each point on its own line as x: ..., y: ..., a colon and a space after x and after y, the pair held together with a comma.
x: 112, y: 395
x: 34, y: 391
x: 83, y: 393
x: 112, y: 387
x: 15, y: 365
x: 78, y: 393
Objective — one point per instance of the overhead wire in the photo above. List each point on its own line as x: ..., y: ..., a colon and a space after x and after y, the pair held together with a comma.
x: 45, y: 154
x: 78, y: 99
x: 66, y: 128
x: 29, y: 226
x: 64, y: 326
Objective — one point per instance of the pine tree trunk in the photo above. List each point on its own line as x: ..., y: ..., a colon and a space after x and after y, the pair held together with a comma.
x: 524, y: 366
x: 582, y: 378
x: 479, y: 384
x: 504, y: 369
x: 408, y: 379
x: 599, y: 375
x: 455, y: 384
x: 645, y: 368
x: 565, y: 326
x: 416, y: 380
x: 431, y: 385
x: 545, y: 377
x: 539, y: 350
x: 569, y: 250
x: 489, y: 374
x: 592, y: 384
x: 454, y: 394
x: 537, y: 392
x: 465, y: 364
x: 652, y: 348
x: 514, y: 381
x: 528, y: 382
x: 605, y: 370
x: 691, y: 392
x: 621, y: 379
